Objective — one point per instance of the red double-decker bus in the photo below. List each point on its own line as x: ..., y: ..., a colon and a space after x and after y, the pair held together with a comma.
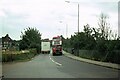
x: 57, y: 46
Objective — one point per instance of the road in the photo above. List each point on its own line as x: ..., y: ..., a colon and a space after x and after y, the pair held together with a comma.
x: 48, y: 66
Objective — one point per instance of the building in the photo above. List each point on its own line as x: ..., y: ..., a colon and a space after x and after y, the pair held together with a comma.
x: 6, y: 42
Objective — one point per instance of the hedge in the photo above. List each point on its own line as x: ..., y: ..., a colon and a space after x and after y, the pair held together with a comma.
x: 8, y: 56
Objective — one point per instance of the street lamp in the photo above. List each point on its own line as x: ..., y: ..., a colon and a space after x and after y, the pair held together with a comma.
x: 78, y: 14
x: 66, y: 28
x: 67, y: 1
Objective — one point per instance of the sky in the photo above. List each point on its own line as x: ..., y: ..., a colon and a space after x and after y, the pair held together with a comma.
x: 54, y: 17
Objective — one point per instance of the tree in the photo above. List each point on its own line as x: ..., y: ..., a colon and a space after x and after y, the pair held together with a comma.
x: 87, y: 30
x: 31, y: 38
x: 104, y: 26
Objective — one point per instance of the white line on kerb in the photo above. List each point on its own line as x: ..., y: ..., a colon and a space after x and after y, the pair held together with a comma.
x: 55, y: 61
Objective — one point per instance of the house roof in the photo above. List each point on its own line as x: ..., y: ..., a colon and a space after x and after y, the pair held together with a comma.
x: 6, y: 38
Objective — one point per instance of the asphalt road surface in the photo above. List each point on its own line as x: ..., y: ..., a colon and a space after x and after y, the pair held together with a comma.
x: 48, y: 66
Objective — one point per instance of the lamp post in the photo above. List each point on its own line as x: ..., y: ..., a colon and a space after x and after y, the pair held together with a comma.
x: 78, y: 14
x: 66, y: 28
x: 78, y: 17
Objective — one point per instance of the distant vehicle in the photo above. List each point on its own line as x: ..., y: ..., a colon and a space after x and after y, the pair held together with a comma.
x: 45, y: 46
x: 57, y: 46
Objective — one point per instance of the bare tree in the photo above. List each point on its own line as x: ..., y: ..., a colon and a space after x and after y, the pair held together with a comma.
x: 104, y: 26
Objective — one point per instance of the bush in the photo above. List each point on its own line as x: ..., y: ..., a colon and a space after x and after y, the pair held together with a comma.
x: 16, y: 56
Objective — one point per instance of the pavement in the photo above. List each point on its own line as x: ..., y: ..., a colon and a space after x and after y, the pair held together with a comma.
x: 105, y: 64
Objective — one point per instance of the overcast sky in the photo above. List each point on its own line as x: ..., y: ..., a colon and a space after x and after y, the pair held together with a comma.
x: 50, y: 17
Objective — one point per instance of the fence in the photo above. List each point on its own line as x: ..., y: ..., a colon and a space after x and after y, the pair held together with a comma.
x: 107, y: 56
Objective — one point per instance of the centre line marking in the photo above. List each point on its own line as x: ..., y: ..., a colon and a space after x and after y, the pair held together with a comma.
x: 54, y: 61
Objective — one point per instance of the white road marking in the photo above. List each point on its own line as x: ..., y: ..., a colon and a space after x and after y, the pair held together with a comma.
x: 54, y: 61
